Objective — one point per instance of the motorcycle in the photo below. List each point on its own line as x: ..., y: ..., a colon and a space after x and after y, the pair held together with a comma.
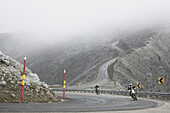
x: 133, y: 94
x: 97, y: 90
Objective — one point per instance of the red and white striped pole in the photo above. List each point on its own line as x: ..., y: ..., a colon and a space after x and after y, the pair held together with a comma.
x: 64, y: 84
x: 23, y: 80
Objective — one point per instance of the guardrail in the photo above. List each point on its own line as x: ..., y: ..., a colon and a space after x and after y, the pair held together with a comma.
x: 152, y: 95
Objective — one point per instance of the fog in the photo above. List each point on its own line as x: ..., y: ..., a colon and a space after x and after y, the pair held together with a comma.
x: 58, y: 20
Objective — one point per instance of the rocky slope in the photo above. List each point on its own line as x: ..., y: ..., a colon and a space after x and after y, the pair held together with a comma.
x: 10, y: 83
x: 80, y: 57
x: 145, y: 64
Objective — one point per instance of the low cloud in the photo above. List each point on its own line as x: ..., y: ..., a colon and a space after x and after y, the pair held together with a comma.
x: 58, y: 20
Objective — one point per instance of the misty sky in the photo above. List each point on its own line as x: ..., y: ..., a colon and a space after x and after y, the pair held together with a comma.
x: 71, y: 17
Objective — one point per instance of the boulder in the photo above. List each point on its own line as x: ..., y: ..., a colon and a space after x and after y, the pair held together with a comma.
x: 32, y: 78
x: 3, y: 83
x: 45, y: 85
x: 9, y: 79
x: 12, y: 82
x: 13, y: 95
x: 5, y: 61
x: 2, y: 78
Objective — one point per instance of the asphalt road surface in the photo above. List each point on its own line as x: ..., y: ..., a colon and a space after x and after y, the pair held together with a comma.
x: 77, y: 102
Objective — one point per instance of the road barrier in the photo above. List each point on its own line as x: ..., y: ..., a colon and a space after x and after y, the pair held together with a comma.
x: 152, y: 95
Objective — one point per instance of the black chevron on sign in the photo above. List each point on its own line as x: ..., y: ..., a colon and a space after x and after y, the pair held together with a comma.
x: 139, y: 85
x: 161, y: 80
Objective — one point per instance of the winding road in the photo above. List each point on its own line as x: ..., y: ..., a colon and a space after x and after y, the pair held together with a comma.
x: 102, y: 78
x: 77, y: 102
x: 84, y: 102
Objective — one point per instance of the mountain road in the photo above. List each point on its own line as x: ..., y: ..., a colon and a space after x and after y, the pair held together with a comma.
x: 79, y: 102
x: 102, y: 78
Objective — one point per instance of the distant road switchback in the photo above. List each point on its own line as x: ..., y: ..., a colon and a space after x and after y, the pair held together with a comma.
x: 102, y: 78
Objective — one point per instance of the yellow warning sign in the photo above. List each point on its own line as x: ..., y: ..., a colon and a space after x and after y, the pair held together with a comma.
x: 64, y: 86
x: 138, y: 85
x: 161, y: 80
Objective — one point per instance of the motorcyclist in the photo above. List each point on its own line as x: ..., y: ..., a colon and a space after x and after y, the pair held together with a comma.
x: 132, y: 92
x: 130, y: 89
x: 97, y: 90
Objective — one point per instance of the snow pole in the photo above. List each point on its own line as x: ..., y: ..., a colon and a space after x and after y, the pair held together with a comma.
x: 23, y: 80
x: 64, y: 84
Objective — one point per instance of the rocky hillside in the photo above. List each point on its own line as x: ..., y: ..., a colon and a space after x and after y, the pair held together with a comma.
x: 145, y: 64
x: 10, y: 83
x: 80, y: 57
x: 80, y: 62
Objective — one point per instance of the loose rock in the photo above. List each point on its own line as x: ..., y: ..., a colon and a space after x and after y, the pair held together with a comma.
x: 13, y: 95
x: 3, y: 83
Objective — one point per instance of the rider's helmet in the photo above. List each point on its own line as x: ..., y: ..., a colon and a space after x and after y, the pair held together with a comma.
x: 130, y: 85
x: 133, y: 87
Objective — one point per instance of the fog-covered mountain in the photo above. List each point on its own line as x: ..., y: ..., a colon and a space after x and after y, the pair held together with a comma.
x: 144, y: 64
x: 80, y: 57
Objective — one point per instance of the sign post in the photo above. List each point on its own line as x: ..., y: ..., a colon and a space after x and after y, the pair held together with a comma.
x: 64, y: 84
x: 23, y: 80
